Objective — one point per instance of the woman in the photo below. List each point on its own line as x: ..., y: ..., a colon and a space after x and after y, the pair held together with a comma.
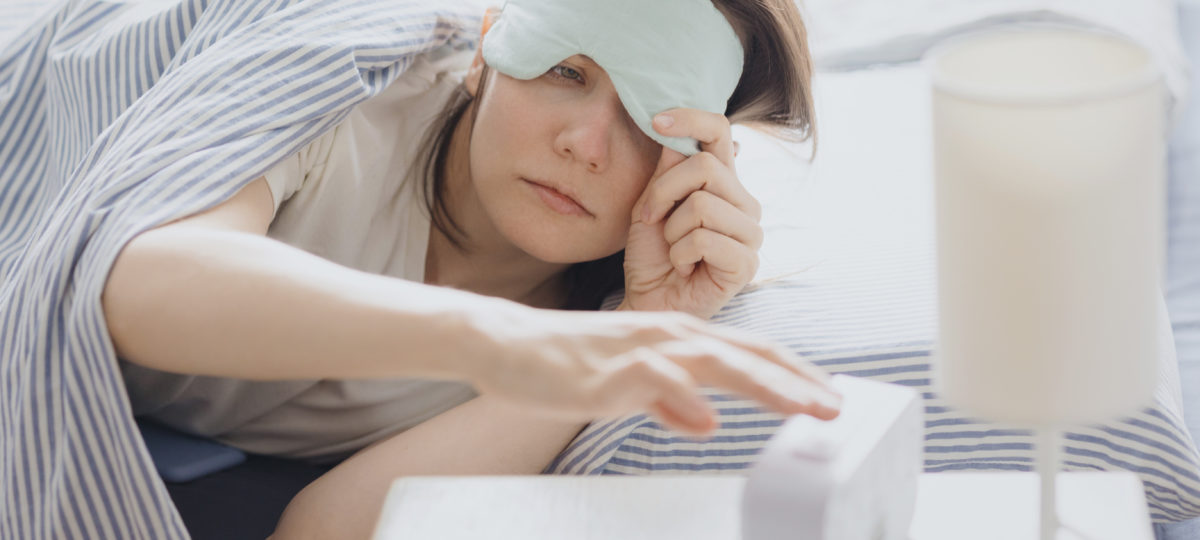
x: 543, y: 196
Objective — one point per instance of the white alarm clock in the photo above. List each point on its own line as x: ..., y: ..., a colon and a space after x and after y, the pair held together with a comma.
x: 851, y: 478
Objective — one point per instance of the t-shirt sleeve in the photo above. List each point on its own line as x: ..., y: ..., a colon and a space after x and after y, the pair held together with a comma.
x: 290, y: 175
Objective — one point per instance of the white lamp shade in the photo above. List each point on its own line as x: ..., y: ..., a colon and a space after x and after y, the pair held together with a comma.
x: 1050, y: 169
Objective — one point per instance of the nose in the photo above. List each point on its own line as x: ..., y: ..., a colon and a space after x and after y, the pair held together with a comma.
x: 591, y: 129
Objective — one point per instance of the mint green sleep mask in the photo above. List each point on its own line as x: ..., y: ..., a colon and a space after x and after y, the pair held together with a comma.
x: 660, y: 54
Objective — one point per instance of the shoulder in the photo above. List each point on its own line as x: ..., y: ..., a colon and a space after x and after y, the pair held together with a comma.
x: 427, y: 72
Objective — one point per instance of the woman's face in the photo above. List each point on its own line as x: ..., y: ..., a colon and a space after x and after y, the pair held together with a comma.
x: 557, y: 163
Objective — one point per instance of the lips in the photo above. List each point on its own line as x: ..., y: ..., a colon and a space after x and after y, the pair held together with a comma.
x: 558, y: 200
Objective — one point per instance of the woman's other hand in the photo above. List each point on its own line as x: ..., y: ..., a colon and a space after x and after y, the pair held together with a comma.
x: 695, y: 234
x: 594, y: 364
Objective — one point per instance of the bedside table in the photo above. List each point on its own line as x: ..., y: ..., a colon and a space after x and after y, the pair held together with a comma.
x: 950, y: 506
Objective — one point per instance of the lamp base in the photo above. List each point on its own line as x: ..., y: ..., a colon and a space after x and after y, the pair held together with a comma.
x: 1006, y: 506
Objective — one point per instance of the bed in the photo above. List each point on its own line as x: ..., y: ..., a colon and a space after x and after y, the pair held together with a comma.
x: 837, y: 287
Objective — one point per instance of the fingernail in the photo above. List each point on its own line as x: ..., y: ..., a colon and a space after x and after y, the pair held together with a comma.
x: 664, y: 120
x: 807, y: 398
x: 831, y: 401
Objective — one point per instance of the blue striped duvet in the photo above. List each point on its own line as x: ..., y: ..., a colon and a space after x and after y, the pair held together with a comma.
x: 116, y: 117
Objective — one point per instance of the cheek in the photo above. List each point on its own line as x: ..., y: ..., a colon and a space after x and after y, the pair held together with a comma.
x: 632, y: 191
x: 647, y: 153
x: 513, y: 107
x: 510, y: 124
x: 489, y: 138
x: 627, y: 181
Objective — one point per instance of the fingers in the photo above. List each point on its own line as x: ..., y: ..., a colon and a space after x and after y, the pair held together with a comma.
x: 671, y: 420
x: 595, y: 364
x: 711, y: 129
x: 648, y: 380
x: 774, y: 385
x: 771, y: 352
x: 667, y: 161
x: 766, y: 350
x: 703, y: 210
x: 729, y: 261
x: 679, y: 353
x: 716, y: 170
x: 702, y: 171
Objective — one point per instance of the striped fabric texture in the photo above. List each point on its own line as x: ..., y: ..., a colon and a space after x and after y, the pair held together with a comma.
x: 116, y: 117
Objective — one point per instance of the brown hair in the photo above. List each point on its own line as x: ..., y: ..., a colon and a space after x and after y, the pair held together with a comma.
x: 774, y: 94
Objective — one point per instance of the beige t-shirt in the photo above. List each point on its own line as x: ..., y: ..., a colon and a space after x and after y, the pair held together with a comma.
x: 349, y: 197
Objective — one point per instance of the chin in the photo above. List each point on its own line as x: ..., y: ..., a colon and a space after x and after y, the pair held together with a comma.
x: 560, y: 248
x: 560, y: 243
x: 550, y: 236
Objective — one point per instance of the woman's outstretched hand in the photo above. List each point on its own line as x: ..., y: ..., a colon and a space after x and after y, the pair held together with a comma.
x: 695, y: 234
x: 592, y: 364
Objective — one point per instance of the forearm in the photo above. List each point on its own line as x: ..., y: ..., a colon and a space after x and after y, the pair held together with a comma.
x: 223, y: 303
x: 481, y: 437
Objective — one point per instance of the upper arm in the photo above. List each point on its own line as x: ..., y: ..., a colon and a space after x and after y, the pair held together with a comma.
x: 250, y: 210
x: 253, y: 208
